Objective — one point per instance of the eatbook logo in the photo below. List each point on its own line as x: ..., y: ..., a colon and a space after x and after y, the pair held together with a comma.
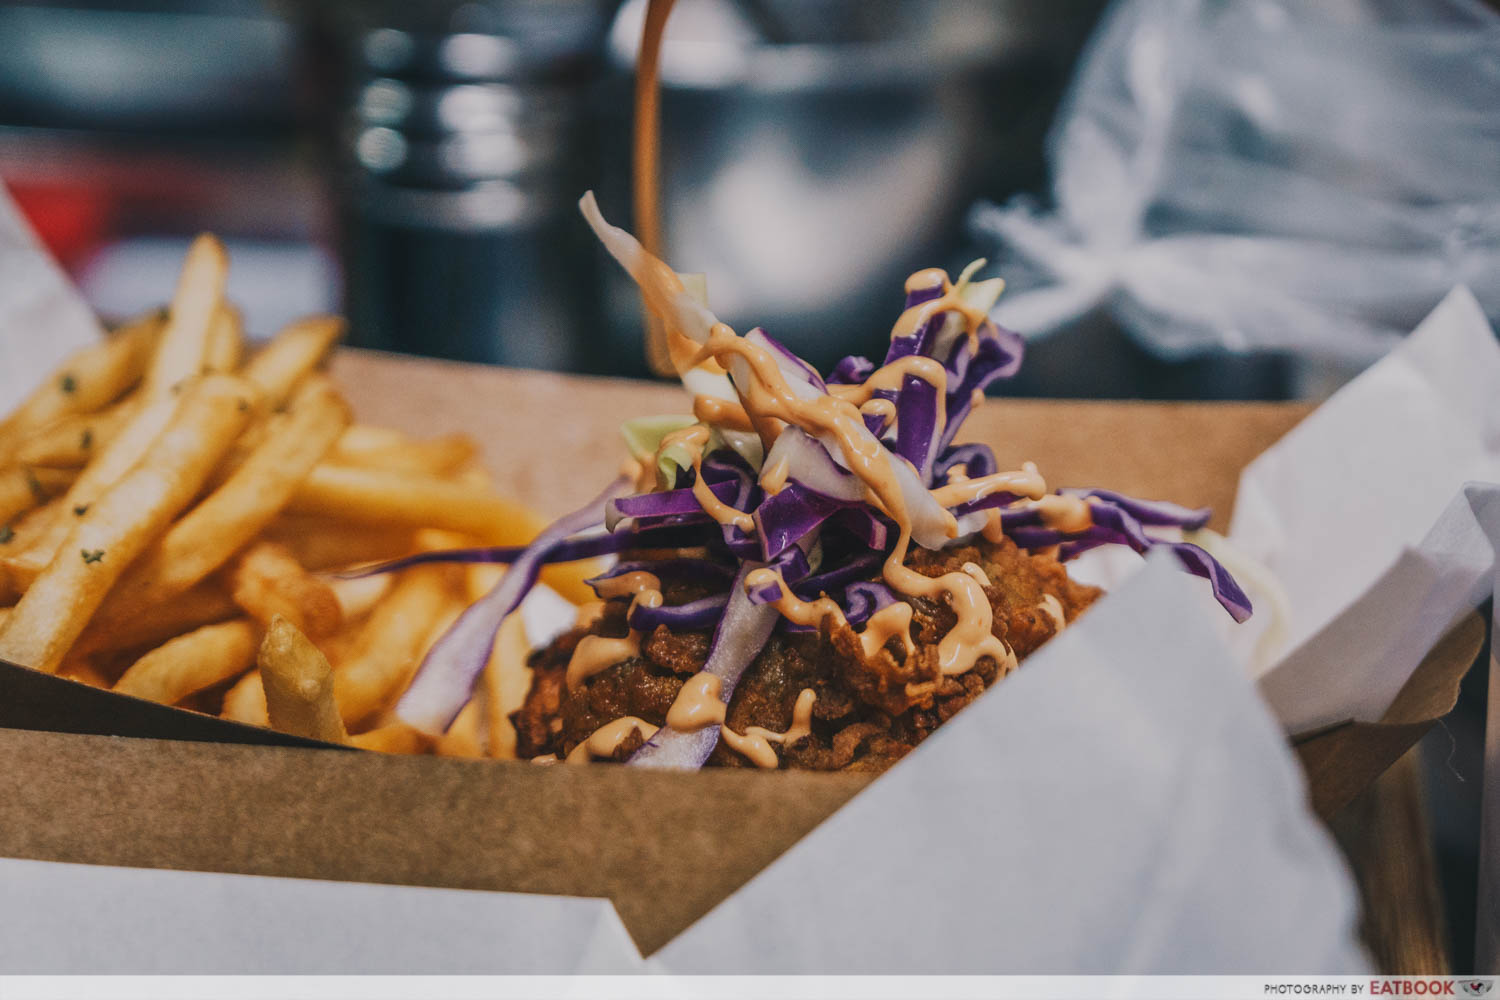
x: 1477, y: 987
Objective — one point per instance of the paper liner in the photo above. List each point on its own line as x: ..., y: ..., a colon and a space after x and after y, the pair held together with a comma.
x: 665, y: 848
x: 1342, y: 761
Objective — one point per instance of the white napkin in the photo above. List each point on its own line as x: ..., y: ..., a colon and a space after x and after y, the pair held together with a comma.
x: 1121, y: 804
x: 1361, y: 514
x: 42, y: 316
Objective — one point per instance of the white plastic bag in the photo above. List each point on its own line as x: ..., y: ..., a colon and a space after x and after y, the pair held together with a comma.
x: 1266, y: 175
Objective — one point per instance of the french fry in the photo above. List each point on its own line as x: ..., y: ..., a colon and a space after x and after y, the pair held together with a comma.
x: 375, y: 496
x: 204, y: 604
x: 120, y: 524
x: 226, y: 340
x: 442, y: 456
x: 159, y: 514
x: 464, y: 738
x: 393, y: 640
x: 246, y: 701
x: 396, y: 737
x: 503, y: 687
x: 183, y: 349
x: 359, y: 438
x: 298, y: 684
x: 291, y: 354
x: 82, y: 670
x: 91, y: 378
x: 23, y: 487
x: 357, y: 597
x: 322, y: 543
x: 72, y: 441
x: 19, y: 536
x: 43, y: 537
x: 237, y: 511
x: 189, y: 663
x: 267, y: 582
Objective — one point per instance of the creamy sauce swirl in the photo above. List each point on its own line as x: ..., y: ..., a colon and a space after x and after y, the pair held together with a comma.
x: 769, y: 403
x: 604, y: 741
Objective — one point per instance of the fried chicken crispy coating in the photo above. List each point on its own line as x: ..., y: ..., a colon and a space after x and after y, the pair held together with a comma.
x: 869, y: 712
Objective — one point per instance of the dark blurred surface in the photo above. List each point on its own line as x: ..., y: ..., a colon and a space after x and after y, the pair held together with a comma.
x: 417, y: 165
x: 1454, y: 778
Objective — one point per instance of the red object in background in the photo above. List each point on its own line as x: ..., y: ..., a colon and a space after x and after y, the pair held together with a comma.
x: 70, y: 220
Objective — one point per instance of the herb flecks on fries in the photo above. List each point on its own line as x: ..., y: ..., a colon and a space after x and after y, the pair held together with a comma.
x: 172, y: 501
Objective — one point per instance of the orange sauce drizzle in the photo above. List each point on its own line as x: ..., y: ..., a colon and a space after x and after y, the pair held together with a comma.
x: 721, y: 413
x: 696, y: 438
x: 631, y: 584
x: 755, y: 744
x: 1066, y: 514
x: 595, y: 653
x: 913, y: 318
x: 768, y: 400
x: 773, y: 477
x: 885, y: 409
x: 1026, y: 482
x: 605, y: 740
x: 929, y: 370
x: 698, y: 704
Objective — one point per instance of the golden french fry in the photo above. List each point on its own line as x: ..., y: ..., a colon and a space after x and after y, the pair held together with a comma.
x: 463, y: 738
x: 120, y: 524
x: 23, y: 487
x: 397, y: 737
x: 246, y: 701
x: 16, y: 539
x: 72, y: 441
x: 43, y: 537
x: 299, y: 685
x: 237, y: 511
x: 375, y: 496
x: 390, y: 647
x: 503, y: 687
x: 92, y: 378
x: 189, y: 663
x: 267, y: 582
x: 183, y: 349
x: 226, y: 340
x: 358, y: 597
x: 82, y: 669
x: 441, y: 456
x: 323, y: 543
x: 291, y: 354
x: 359, y: 438
x: 203, y: 604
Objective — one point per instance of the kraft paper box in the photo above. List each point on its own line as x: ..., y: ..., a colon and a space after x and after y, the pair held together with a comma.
x: 665, y: 848
x: 973, y: 854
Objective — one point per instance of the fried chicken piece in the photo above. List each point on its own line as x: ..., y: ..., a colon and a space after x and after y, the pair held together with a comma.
x: 868, y: 712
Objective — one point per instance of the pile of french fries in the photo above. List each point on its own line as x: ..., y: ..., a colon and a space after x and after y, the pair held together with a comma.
x: 172, y: 512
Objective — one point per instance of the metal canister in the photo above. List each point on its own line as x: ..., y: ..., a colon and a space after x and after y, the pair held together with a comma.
x: 466, y: 147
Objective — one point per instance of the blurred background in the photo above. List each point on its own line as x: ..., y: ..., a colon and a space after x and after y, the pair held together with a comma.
x: 416, y: 166
x: 1192, y: 200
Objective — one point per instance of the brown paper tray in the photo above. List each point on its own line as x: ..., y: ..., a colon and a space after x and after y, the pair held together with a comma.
x: 664, y: 847
x: 1343, y: 760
